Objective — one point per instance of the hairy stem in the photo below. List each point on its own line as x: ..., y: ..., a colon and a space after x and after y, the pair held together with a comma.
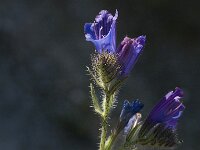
x: 106, y: 112
x: 103, y: 135
x: 110, y: 141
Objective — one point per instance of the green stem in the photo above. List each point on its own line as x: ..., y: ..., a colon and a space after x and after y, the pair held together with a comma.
x: 110, y: 141
x: 106, y: 111
x: 113, y: 136
x: 103, y: 135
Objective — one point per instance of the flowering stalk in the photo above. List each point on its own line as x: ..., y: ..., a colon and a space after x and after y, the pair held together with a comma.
x: 109, y: 69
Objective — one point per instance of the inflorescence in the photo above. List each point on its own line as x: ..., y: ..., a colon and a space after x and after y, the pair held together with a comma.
x: 110, y: 67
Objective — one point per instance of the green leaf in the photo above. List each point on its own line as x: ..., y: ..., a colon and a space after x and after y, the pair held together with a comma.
x: 95, y: 101
x: 95, y: 79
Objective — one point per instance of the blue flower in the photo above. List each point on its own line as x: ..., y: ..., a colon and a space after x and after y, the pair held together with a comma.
x: 130, y: 109
x: 128, y: 52
x: 166, y: 112
x: 102, y: 32
x: 127, y: 112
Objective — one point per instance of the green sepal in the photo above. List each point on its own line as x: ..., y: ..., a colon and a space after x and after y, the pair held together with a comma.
x: 115, y: 86
x: 160, y: 136
x: 132, y: 135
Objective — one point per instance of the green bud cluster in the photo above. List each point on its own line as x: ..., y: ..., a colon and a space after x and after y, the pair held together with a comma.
x: 105, y: 71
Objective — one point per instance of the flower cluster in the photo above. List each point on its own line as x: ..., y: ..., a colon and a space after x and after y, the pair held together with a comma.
x: 111, y: 63
x: 110, y: 66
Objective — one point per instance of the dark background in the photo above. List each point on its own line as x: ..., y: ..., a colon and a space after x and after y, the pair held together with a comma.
x: 44, y: 100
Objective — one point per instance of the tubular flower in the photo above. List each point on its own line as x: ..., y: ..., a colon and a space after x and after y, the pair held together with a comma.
x: 128, y: 52
x: 168, y: 110
x: 160, y: 126
x: 102, y: 33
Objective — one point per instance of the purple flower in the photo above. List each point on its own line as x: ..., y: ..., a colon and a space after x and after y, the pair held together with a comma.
x: 102, y: 32
x: 129, y: 50
x: 169, y: 109
x: 111, y: 64
x: 166, y: 112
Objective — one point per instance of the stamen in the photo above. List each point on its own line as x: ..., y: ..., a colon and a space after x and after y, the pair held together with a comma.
x: 100, y: 32
x: 95, y: 29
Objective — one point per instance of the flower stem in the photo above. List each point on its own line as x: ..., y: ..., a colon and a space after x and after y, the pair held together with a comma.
x: 106, y: 112
x: 103, y: 135
x: 110, y: 141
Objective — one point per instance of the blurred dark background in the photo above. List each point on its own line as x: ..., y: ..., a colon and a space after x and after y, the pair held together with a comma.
x: 44, y: 100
